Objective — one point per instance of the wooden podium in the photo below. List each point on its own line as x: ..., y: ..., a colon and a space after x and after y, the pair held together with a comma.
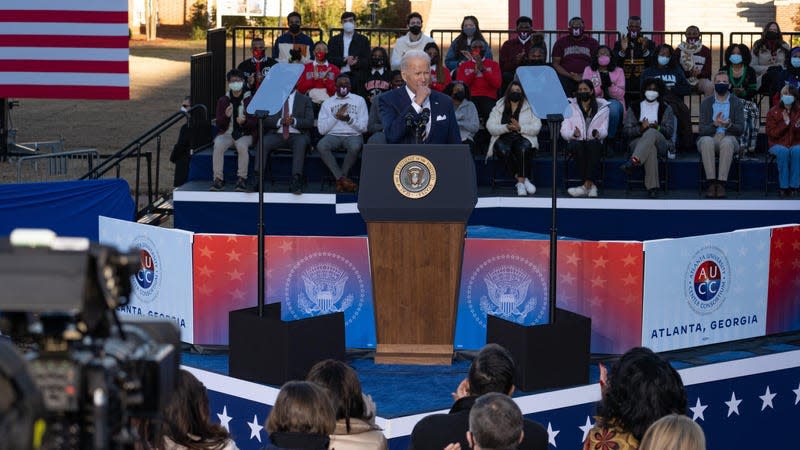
x: 416, y: 201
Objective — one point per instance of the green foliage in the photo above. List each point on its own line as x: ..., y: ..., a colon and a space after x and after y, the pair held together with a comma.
x: 199, y: 20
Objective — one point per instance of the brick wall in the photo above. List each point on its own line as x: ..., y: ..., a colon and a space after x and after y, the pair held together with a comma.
x: 784, y: 11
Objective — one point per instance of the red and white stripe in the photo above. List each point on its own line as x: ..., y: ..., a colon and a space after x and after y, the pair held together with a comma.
x: 76, y: 49
x: 598, y: 15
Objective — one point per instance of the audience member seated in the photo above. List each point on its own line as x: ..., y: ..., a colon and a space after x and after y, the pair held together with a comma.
x: 609, y: 84
x: 492, y: 371
x: 495, y: 422
x: 293, y: 46
x: 374, y: 124
x: 536, y: 56
x: 677, y: 87
x: 379, y: 77
x: 235, y: 128
x: 187, y: 425
x: 572, y: 54
x: 743, y: 85
x: 514, y: 127
x: 342, y: 123
x: 514, y: 51
x: 769, y: 56
x: 415, y: 39
x: 721, y: 123
x: 349, y: 51
x: 674, y: 432
x: 318, y: 80
x: 303, y: 418
x: 649, y: 127
x: 290, y: 129
x: 256, y: 67
x: 440, y: 76
x: 355, y: 412
x: 783, y: 132
x: 466, y: 114
x: 640, y: 389
x: 188, y: 138
x: 483, y: 78
x: 584, y: 132
x: 470, y: 31
x: 634, y: 53
x: 789, y: 76
x: 695, y: 60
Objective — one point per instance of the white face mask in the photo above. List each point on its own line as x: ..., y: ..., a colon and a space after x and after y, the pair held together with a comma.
x: 651, y: 95
x: 348, y: 27
x: 235, y: 86
x: 183, y: 109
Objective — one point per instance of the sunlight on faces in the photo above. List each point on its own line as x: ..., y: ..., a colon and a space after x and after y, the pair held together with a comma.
x: 416, y: 72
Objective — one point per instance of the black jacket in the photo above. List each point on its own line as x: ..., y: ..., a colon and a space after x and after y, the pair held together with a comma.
x: 436, y: 431
x: 359, y: 47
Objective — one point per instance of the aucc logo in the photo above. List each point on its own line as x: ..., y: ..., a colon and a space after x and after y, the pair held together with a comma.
x: 707, y: 280
x: 148, y: 277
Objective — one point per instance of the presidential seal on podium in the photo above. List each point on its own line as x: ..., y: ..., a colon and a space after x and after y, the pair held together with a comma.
x: 414, y: 176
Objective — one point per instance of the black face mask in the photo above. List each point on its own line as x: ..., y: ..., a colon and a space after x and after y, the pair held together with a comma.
x: 584, y: 96
x: 772, y: 35
x: 515, y: 96
x: 415, y: 29
x: 294, y: 28
x: 535, y: 62
x: 459, y: 95
x: 377, y: 62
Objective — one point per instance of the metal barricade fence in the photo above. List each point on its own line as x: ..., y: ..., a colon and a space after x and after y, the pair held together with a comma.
x: 216, y: 44
x: 378, y: 37
x: 202, y: 81
x: 67, y: 165
x: 243, y: 35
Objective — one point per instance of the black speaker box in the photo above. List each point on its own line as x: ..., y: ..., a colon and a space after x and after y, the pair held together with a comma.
x: 548, y: 356
x: 272, y: 351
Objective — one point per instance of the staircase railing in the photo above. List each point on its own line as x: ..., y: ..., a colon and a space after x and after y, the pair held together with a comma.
x: 134, y: 150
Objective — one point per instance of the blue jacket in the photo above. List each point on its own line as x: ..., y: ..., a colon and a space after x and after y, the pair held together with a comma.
x: 395, y: 105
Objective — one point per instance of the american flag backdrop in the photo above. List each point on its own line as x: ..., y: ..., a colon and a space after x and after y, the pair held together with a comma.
x: 58, y: 49
x: 598, y: 15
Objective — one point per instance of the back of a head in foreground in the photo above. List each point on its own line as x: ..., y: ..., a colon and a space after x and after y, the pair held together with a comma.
x: 302, y: 407
x: 674, y: 432
x: 495, y: 423
x: 641, y: 389
x: 344, y: 388
x: 492, y: 370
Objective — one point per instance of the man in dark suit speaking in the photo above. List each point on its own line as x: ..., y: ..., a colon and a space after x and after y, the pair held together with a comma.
x: 417, y: 115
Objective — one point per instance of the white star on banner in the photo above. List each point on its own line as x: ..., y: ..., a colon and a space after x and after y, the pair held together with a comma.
x: 697, y: 410
x: 766, y: 399
x: 224, y: 420
x: 586, y: 428
x: 255, y: 428
x: 797, y: 394
x: 733, y: 405
x: 551, y: 434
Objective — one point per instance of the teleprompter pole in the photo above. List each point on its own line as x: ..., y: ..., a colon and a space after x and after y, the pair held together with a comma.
x: 554, y: 121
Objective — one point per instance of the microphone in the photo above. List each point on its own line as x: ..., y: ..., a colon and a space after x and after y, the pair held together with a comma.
x: 411, y: 120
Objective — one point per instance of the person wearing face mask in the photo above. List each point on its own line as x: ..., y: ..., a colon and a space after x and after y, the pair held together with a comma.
x: 572, y: 54
x: 235, y: 128
x: 514, y: 51
x: 634, y: 53
x: 536, y: 56
x: 584, y: 132
x: 677, y: 87
x: 342, y: 123
x: 256, y: 67
x: 649, y: 126
x: 514, y: 129
x: 789, y: 76
x: 415, y: 39
x: 695, y: 60
x: 378, y: 78
x: 744, y: 85
x: 374, y: 123
x: 721, y: 123
x: 318, y: 80
x: 609, y: 84
x: 466, y: 114
x: 470, y: 31
x: 783, y: 132
x: 440, y: 76
x: 769, y: 56
x: 350, y: 51
x: 293, y: 46
x: 483, y: 78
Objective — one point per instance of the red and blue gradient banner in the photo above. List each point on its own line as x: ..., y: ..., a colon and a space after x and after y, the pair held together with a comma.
x: 783, y: 301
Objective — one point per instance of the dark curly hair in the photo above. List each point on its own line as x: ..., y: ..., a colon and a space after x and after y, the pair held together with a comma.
x: 660, y: 87
x: 448, y: 90
x: 611, y: 64
x: 743, y: 50
x: 641, y: 389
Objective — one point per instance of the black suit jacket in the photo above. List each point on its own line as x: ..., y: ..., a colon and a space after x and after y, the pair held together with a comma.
x: 302, y: 110
x: 436, y: 431
x: 359, y: 47
x: 395, y: 105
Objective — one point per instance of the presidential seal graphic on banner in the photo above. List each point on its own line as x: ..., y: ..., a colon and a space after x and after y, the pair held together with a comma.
x: 148, y: 277
x: 707, y: 280
x: 324, y: 283
x: 414, y: 176
x: 510, y: 287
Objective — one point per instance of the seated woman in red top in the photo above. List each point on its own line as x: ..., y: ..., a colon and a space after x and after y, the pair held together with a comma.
x: 483, y: 76
x: 783, y: 132
x: 318, y: 80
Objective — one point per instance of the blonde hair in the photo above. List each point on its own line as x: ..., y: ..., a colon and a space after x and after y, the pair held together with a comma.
x: 302, y: 407
x: 674, y: 432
